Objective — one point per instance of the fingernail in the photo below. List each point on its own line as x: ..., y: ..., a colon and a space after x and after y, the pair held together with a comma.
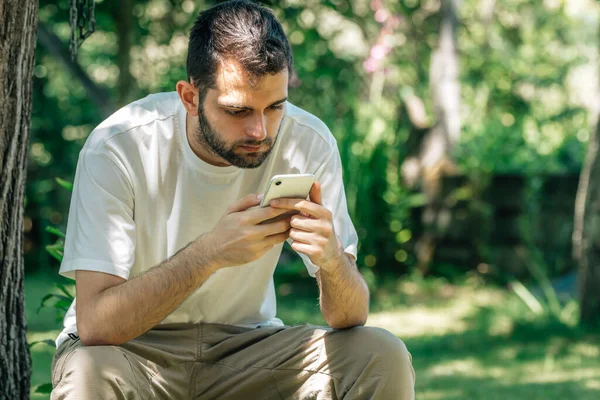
x: 260, y: 196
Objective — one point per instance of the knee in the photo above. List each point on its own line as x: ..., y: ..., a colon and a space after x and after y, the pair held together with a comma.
x: 93, y: 366
x: 382, y: 347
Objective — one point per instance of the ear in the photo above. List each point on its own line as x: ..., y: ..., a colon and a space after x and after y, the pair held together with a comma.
x: 189, y: 97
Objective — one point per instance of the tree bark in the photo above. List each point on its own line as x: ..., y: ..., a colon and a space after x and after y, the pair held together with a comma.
x: 18, y: 20
x: 586, y: 235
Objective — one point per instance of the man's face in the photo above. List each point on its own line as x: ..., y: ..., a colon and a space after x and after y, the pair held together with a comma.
x: 239, y: 119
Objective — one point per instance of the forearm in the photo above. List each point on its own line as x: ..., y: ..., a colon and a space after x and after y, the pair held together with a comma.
x: 123, y: 312
x: 344, y: 295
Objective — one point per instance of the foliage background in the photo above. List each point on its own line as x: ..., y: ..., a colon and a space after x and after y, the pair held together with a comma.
x: 528, y: 77
x: 529, y: 96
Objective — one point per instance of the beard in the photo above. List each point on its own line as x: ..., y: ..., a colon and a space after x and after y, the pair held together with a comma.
x: 211, y: 140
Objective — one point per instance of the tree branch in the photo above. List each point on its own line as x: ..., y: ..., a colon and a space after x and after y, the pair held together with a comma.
x: 54, y: 45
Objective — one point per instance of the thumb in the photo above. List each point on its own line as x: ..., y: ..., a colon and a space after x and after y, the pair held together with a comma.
x: 315, y: 193
x: 244, y: 203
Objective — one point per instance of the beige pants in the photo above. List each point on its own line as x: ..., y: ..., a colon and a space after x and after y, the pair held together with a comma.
x: 212, y: 361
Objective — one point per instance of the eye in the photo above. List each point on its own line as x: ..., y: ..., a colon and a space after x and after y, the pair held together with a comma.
x: 237, y: 113
x: 277, y: 107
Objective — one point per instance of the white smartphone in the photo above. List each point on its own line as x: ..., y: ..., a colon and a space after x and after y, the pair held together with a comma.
x: 295, y: 186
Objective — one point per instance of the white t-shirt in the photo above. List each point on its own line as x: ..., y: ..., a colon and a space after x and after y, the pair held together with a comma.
x: 141, y: 194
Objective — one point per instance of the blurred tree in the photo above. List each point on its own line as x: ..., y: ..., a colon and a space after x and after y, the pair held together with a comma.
x: 432, y: 157
x: 586, y: 230
x: 586, y: 242
x: 18, y: 20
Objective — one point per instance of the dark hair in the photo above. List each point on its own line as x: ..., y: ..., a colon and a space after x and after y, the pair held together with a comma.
x: 239, y: 30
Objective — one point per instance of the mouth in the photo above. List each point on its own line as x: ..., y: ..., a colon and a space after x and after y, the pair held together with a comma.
x: 251, y: 149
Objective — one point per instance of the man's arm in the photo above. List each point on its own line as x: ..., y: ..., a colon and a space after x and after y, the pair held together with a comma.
x: 343, y: 293
x: 111, y: 310
x: 124, y: 311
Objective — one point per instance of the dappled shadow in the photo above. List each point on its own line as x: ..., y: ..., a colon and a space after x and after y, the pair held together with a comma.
x: 534, y: 360
x: 464, y: 387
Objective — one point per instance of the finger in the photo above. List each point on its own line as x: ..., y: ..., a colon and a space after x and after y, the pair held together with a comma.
x: 302, y: 236
x: 308, y: 207
x: 273, y: 240
x: 305, y: 223
x: 261, y: 214
x: 244, y: 203
x: 303, y: 248
x: 275, y: 227
x: 315, y: 193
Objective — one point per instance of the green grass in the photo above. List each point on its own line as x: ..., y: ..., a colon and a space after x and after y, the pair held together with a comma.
x: 468, y: 341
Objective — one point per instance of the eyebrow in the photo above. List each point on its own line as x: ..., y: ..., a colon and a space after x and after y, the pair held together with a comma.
x: 242, y: 107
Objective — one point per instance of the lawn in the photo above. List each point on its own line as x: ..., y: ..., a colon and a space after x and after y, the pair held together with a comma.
x: 468, y: 341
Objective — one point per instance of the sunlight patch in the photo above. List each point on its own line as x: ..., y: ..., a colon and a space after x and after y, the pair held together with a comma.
x: 419, y: 321
x: 440, y: 395
x: 463, y: 367
x: 593, y: 384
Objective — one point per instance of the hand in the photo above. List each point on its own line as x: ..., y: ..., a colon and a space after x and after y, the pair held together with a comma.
x: 239, y: 238
x: 312, y: 230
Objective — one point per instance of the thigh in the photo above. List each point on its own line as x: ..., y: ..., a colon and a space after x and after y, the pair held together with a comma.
x: 266, y: 363
x: 157, y: 364
x: 91, y: 372
x: 313, y: 362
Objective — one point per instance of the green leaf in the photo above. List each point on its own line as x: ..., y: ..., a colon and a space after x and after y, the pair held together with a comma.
x: 43, y: 302
x: 67, y: 185
x: 55, y: 231
x: 46, y: 388
x: 49, y: 342
x: 54, y: 252
x: 63, y: 289
x: 62, y: 302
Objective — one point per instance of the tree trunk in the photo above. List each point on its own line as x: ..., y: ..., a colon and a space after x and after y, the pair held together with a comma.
x: 18, y: 20
x: 586, y: 235
x: 432, y: 160
x: 124, y: 21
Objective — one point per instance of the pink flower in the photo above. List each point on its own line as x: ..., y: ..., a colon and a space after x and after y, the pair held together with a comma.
x: 376, y: 5
x: 370, y: 65
x: 381, y: 15
x: 379, y: 51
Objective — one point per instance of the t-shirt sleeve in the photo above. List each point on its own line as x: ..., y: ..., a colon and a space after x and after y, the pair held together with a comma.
x: 100, y: 228
x: 329, y: 176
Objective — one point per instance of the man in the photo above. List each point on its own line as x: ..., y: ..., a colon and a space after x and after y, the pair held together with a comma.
x: 174, y: 272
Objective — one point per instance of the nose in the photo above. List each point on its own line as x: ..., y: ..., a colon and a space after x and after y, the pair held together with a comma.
x: 258, y: 128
